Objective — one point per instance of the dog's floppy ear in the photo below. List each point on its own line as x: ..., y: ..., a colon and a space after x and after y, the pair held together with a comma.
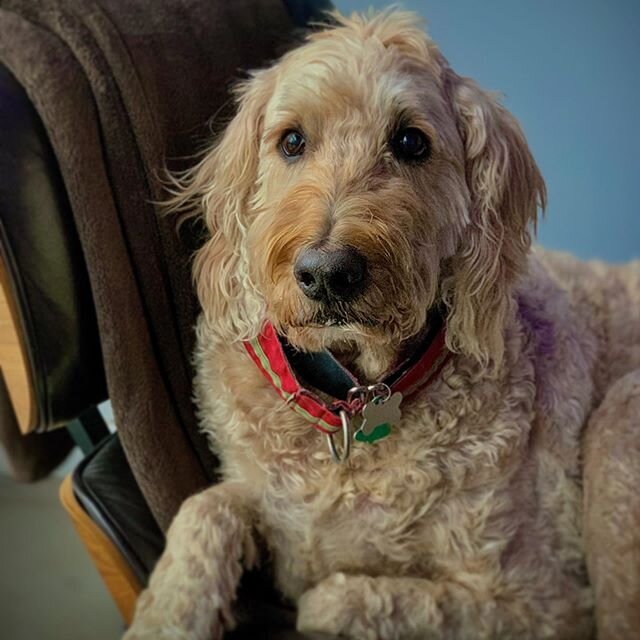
x: 220, y: 188
x: 506, y: 190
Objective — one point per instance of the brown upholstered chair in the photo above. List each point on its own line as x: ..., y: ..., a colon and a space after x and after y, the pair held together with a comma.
x: 99, y: 284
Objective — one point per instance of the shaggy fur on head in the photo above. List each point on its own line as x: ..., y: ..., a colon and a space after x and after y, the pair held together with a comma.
x: 467, y: 522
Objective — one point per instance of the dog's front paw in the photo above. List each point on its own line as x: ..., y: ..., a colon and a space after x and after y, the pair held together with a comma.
x: 170, y: 632
x: 325, y: 607
x: 182, y: 623
x: 155, y: 634
x: 338, y: 606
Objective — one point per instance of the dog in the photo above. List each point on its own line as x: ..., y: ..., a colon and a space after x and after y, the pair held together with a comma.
x: 367, y: 203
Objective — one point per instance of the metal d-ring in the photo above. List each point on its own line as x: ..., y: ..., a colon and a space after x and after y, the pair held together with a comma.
x: 346, y: 441
x: 380, y: 392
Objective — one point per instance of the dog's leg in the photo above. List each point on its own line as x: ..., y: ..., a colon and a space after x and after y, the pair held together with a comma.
x: 372, y: 608
x: 612, y: 509
x: 383, y: 608
x: 192, y: 588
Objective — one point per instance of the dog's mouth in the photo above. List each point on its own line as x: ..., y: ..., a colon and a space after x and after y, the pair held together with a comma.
x: 328, y: 322
x: 326, y: 319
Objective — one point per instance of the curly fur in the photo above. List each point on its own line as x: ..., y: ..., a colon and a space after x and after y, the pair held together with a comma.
x: 468, y: 522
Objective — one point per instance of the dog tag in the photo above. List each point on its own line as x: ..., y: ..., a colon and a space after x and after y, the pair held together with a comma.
x: 378, y: 418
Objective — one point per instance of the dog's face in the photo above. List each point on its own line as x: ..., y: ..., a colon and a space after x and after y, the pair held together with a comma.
x: 360, y: 194
x: 361, y: 183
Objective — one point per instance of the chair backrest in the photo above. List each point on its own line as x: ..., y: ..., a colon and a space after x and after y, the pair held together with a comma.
x: 43, y: 276
x: 121, y: 87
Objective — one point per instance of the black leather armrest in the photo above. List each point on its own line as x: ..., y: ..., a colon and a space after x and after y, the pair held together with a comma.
x: 105, y: 487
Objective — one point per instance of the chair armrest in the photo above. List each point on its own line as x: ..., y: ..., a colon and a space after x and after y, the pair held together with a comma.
x: 104, y: 485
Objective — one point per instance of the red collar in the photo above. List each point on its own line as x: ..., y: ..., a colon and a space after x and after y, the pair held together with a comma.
x: 269, y: 354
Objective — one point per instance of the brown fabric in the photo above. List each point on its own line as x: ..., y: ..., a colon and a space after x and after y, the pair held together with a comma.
x: 120, y: 86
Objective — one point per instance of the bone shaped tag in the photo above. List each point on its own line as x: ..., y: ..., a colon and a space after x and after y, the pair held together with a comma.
x: 378, y: 418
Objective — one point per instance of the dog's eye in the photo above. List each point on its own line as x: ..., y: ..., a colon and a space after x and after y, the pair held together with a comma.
x: 292, y: 144
x: 410, y: 145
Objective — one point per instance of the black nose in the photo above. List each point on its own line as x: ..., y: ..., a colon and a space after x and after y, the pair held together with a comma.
x: 329, y: 275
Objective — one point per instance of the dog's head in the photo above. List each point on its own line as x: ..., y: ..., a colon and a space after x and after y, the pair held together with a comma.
x: 361, y: 183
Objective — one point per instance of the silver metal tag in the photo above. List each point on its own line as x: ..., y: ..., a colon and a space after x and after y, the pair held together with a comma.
x: 379, y: 415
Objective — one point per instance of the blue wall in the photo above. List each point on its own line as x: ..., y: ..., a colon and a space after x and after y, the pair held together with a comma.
x: 570, y: 72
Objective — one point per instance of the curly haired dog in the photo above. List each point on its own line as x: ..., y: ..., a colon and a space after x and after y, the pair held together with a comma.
x: 362, y: 189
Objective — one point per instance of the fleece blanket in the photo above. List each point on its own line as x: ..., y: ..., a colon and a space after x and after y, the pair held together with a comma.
x: 124, y: 87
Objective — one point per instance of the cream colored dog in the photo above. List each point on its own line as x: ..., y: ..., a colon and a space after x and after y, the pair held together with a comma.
x: 363, y: 189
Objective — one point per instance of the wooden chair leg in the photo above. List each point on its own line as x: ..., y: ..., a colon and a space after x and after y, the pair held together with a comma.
x: 116, y: 573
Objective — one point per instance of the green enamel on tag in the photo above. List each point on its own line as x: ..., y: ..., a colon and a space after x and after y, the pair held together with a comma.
x: 379, y: 432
